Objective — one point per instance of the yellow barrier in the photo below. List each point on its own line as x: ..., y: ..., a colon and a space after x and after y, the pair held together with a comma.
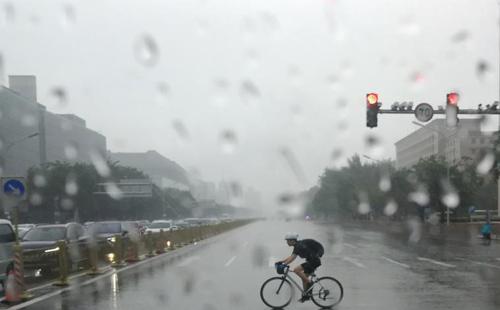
x: 63, y: 264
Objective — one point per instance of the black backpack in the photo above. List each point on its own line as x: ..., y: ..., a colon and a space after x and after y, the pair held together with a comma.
x: 315, y: 247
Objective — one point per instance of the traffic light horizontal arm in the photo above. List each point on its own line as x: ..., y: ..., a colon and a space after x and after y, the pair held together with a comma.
x: 460, y: 111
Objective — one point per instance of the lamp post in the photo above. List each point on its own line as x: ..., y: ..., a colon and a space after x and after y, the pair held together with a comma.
x: 446, y: 138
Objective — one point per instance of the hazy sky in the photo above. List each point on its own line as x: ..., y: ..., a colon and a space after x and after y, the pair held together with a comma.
x: 284, y: 80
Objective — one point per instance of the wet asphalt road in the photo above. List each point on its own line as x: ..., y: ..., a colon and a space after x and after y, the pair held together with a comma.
x: 378, y: 271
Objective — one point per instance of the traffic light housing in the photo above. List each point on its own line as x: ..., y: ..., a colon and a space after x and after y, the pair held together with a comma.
x: 372, y: 107
x: 452, y: 109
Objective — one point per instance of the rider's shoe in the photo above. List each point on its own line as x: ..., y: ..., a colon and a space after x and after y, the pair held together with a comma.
x: 305, y: 298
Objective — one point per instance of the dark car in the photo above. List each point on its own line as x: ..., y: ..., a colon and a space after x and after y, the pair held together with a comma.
x: 41, y: 251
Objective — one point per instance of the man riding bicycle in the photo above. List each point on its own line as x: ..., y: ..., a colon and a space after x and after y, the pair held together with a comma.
x: 309, y: 249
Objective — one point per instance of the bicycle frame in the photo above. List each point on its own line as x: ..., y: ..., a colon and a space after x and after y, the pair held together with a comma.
x: 298, y: 286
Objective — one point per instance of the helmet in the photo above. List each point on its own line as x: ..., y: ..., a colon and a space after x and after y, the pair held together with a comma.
x: 291, y: 236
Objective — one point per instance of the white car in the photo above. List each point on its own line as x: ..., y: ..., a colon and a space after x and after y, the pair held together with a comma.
x: 158, y: 225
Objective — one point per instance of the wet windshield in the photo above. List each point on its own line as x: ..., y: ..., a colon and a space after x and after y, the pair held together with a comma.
x: 209, y: 146
x: 45, y: 234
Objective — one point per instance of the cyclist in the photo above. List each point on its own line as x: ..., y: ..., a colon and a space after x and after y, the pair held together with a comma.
x: 309, y: 249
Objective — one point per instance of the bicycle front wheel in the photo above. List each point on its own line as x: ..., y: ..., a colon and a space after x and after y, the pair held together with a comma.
x: 276, y: 292
x: 327, y: 292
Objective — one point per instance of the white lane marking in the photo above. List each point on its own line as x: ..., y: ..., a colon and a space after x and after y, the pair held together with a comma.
x: 354, y: 262
x: 479, y: 263
x: 424, y: 259
x: 188, y: 261
x: 230, y: 261
x: 272, y: 260
x: 395, y: 262
x: 352, y: 246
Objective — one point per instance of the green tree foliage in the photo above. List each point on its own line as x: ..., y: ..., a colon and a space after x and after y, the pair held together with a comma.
x: 346, y: 192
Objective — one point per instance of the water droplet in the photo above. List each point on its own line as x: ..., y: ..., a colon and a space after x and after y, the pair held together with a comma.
x: 486, y: 164
x: 336, y: 154
x: 460, y: 36
x: 373, y: 145
x: 252, y: 58
x: 146, y: 51
x: 39, y: 180
x: 249, y: 91
x: 228, y: 141
x: 415, y: 228
x: 181, y: 130
x: 286, y: 198
x: 451, y: 199
x: 434, y: 218
x: 28, y: 120
x: 391, y: 207
x: 71, y: 151
x: 66, y: 125
x: 68, y: 15
x: 202, y: 26
x: 364, y: 205
x: 163, y: 91
x: 113, y: 191
x: 484, y: 71
x: 221, y: 92
x: 71, y: 186
x: 295, y: 74
x: 333, y: 83
x: 420, y: 197
x: 293, y: 164
x: 269, y: 21
x: 342, y: 125
x: 260, y: 256
x: 67, y: 204
x: 59, y: 96
x: 100, y: 164
x: 409, y: 27
x: 417, y: 78
x: 9, y: 12
x: 385, y: 183
x: 36, y: 199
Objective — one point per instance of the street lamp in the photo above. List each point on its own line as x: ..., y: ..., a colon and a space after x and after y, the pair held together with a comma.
x: 370, y: 158
x: 446, y: 138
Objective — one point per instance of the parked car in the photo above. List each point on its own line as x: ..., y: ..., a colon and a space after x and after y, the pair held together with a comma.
x: 40, y: 247
x: 158, y: 225
x: 22, y: 229
x: 7, y: 240
x: 110, y: 229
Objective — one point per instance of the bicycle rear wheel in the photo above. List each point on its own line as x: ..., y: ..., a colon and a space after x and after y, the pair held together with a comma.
x: 276, y: 292
x: 327, y: 292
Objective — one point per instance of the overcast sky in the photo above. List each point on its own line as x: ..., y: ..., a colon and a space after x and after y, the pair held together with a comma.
x: 245, y: 90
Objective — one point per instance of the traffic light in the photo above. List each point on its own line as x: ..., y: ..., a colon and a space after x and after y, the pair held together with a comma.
x: 452, y: 109
x: 372, y: 107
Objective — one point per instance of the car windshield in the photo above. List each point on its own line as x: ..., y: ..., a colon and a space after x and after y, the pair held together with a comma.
x: 107, y: 228
x: 160, y: 225
x: 46, y: 234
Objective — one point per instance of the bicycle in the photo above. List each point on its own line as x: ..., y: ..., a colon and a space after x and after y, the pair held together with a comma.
x: 277, y: 292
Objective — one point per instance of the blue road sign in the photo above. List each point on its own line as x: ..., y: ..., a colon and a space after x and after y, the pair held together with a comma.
x: 14, y: 188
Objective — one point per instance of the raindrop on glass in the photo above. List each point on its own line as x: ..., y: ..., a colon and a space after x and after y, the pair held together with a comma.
x: 221, y: 86
x: 285, y: 198
x: 228, y: 141
x: 71, y: 186
x: 336, y: 154
x: 70, y: 151
x: 415, y: 228
x: 28, y: 120
x: 163, y: 91
x: 333, y: 82
x: 450, y: 199
x: 420, y: 197
x: 417, y: 78
x: 483, y: 70
x: 409, y: 27
x: 68, y: 15
x: 59, y: 96
x: 36, y: 199
x: 39, y: 180
x: 293, y: 164
x: 113, y: 191
x: 249, y: 91
x: 460, y: 36
x: 385, y: 183
x: 181, y: 130
x: 390, y: 208
x: 100, y: 164
x: 67, y: 204
x: 146, y: 51
x: 260, y: 254
x: 9, y: 12
x: 269, y: 21
x: 486, y: 164
x: 202, y: 26
x: 364, y: 208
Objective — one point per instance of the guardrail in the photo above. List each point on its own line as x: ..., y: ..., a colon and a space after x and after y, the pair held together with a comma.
x: 58, y: 262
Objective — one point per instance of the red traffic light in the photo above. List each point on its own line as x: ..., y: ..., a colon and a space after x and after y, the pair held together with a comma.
x: 452, y: 98
x: 371, y: 98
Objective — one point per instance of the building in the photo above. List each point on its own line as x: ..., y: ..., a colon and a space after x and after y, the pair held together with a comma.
x: 30, y: 135
x: 435, y: 138
x: 164, y: 172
